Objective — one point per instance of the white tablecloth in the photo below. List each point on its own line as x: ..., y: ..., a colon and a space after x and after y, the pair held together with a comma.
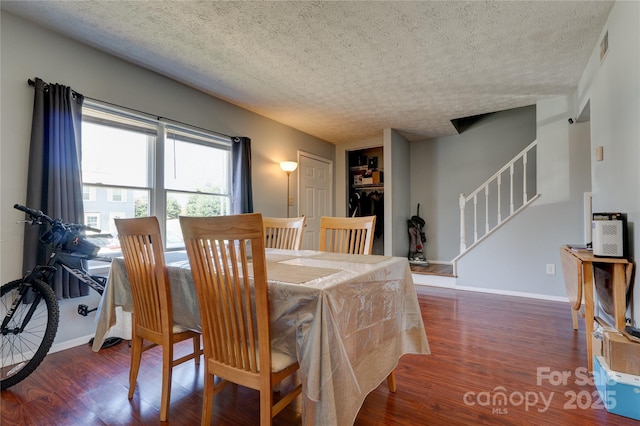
x: 347, y: 318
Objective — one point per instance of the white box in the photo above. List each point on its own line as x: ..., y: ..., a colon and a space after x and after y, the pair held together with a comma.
x: 367, y: 180
x: 607, y: 238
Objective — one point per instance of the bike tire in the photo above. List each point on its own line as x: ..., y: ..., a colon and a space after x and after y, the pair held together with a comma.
x: 22, y: 352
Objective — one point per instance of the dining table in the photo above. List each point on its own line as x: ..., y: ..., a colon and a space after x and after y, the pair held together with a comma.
x: 348, y: 319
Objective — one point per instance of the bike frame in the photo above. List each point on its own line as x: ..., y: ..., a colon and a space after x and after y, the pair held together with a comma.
x: 72, y: 263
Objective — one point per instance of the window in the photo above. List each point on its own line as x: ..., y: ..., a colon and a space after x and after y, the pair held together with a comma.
x: 92, y: 220
x: 116, y: 195
x: 135, y: 166
x: 88, y: 193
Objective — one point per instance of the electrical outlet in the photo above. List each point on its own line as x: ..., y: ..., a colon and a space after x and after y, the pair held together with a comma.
x: 551, y: 268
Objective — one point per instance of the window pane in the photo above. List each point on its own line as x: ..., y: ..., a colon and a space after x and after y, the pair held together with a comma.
x: 115, y: 156
x: 103, y: 210
x: 184, y: 204
x: 195, y: 167
x: 88, y: 193
x: 92, y: 220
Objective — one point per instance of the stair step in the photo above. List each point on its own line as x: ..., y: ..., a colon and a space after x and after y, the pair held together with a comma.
x: 445, y: 270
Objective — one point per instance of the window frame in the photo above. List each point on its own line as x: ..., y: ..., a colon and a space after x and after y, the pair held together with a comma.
x: 158, y: 129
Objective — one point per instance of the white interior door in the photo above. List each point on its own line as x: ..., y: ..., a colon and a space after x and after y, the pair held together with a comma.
x: 315, y: 185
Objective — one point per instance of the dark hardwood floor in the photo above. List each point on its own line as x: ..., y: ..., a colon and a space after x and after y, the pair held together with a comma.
x: 481, y: 345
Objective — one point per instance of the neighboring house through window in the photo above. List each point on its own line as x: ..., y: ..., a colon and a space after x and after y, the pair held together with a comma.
x: 88, y: 193
x: 92, y: 220
x: 116, y: 195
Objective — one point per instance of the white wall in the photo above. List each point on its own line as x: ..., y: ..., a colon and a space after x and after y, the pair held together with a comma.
x: 29, y: 51
x: 612, y: 91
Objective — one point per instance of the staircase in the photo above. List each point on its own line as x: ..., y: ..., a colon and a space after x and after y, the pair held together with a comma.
x: 496, y: 201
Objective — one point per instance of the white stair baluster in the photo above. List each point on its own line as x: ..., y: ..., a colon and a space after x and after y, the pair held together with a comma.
x: 524, y: 179
x: 475, y: 217
x: 486, y: 209
x: 499, y: 198
x: 463, y: 233
x: 511, y: 189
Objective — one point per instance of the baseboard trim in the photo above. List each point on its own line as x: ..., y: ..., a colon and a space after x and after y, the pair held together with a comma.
x: 450, y: 282
x: 515, y: 293
x: 434, y: 280
x: 68, y: 344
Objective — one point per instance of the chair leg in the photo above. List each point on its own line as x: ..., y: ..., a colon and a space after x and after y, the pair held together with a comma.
x: 136, y: 354
x: 391, y: 381
x: 167, y: 368
x: 207, y: 399
x: 196, y: 348
x: 266, y: 405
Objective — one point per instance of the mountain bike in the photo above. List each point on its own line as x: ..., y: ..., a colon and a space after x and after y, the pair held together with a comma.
x: 29, y: 308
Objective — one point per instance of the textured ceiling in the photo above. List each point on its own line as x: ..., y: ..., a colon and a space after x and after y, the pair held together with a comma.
x: 343, y: 71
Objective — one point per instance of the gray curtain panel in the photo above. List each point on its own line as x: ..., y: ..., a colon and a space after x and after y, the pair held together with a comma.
x: 54, y: 183
x: 242, y: 192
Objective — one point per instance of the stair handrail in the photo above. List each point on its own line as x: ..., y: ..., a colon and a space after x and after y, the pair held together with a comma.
x: 464, y: 199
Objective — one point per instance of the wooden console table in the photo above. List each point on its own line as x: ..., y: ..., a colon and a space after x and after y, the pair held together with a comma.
x: 577, y: 268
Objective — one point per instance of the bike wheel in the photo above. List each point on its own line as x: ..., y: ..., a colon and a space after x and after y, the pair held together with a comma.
x: 23, y: 349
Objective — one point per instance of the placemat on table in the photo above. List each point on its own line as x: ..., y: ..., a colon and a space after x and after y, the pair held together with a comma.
x: 353, y: 258
x: 296, y: 274
x: 279, y: 257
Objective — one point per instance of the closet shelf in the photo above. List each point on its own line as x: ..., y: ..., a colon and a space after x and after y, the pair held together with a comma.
x: 369, y: 186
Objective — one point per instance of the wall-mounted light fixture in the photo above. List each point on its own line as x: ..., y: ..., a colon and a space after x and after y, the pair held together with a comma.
x: 288, y: 167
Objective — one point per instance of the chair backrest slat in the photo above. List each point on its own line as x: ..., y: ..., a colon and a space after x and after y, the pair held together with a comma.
x: 352, y: 235
x: 283, y: 233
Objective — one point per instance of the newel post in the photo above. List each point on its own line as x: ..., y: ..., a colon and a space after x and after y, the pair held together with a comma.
x: 463, y: 236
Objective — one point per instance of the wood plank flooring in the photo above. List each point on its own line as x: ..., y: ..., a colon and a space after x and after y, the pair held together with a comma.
x: 481, y: 345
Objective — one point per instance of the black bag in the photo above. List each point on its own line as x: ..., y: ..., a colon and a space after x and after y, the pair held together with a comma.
x: 78, y: 243
x: 75, y: 241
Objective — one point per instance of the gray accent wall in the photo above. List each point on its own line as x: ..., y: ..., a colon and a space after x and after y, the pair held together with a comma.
x: 444, y: 168
x: 397, y: 200
x: 514, y: 259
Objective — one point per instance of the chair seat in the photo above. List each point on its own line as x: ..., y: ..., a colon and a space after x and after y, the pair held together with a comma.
x: 279, y: 361
x: 179, y: 329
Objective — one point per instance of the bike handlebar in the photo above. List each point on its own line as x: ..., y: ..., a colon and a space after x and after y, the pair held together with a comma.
x: 37, y: 214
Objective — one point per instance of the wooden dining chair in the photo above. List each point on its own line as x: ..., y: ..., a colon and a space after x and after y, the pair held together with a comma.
x: 353, y: 235
x: 152, y: 317
x: 283, y: 232
x: 234, y: 310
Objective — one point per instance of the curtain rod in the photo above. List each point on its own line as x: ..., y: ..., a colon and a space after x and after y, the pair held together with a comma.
x: 32, y: 83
